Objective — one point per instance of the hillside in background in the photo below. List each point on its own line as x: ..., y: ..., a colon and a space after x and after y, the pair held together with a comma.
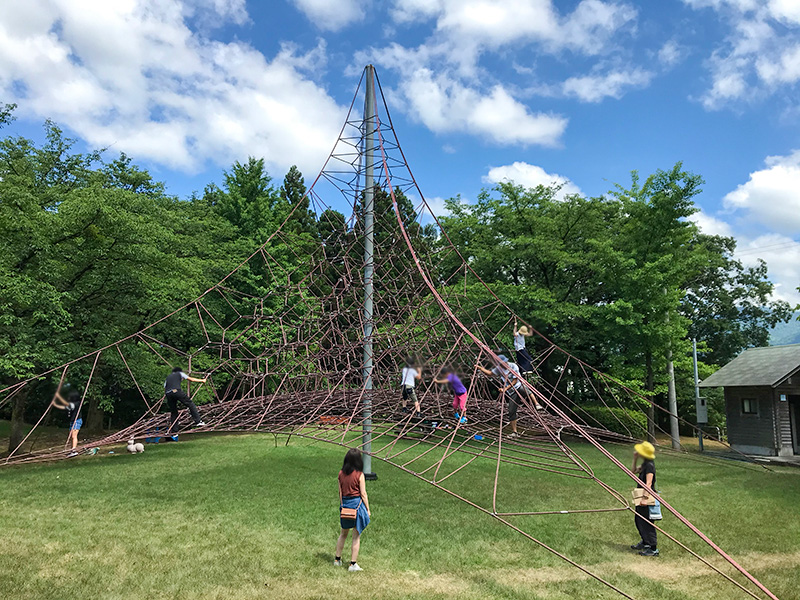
x: 786, y: 333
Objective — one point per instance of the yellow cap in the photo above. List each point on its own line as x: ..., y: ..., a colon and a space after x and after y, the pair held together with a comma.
x: 645, y: 450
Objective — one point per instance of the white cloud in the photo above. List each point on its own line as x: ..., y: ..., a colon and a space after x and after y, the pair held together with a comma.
x: 787, y: 11
x: 670, y: 53
x: 780, y: 252
x: 772, y: 195
x: 495, y: 23
x: 760, y: 54
x: 711, y: 225
x: 531, y: 176
x: 785, y: 70
x: 594, y: 88
x: 210, y: 11
x: 782, y: 255
x: 444, y: 85
x: 331, y: 15
x: 444, y: 104
x: 132, y: 75
x: 406, y: 11
x: 766, y: 210
x: 436, y: 206
x: 742, y: 5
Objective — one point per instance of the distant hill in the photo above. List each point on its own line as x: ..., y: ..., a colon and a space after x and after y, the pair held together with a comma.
x: 786, y: 333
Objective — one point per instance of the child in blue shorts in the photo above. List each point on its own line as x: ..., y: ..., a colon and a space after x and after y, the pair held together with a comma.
x: 73, y: 407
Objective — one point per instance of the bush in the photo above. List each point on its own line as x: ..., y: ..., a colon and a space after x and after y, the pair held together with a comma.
x: 625, y: 421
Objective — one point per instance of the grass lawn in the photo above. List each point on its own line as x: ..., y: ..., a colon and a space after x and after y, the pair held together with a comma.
x: 235, y: 517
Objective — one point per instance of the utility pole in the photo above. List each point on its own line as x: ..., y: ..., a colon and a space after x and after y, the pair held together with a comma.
x: 370, y: 126
x: 674, y: 429
x: 699, y: 402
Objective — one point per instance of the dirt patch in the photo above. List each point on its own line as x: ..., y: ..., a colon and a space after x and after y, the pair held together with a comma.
x: 677, y: 573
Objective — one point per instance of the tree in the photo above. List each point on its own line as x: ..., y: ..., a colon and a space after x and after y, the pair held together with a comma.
x: 89, y: 253
x: 293, y: 193
x: 729, y: 305
x: 618, y: 280
x: 248, y: 199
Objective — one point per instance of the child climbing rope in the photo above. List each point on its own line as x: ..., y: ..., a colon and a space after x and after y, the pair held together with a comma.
x: 411, y: 372
x: 459, y: 394
x: 174, y: 394
x: 524, y: 359
x: 512, y: 389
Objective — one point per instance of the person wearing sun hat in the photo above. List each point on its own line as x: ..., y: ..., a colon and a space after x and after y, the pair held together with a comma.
x: 524, y: 359
x: 648, y: 546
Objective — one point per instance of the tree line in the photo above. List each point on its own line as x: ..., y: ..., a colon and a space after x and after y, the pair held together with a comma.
x: 92, y: 250
x: 623, y: 281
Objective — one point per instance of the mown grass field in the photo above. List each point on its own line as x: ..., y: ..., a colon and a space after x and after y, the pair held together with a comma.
x: 235, y: 517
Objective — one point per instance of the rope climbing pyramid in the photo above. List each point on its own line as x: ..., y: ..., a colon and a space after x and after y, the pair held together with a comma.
x: 306, y: 337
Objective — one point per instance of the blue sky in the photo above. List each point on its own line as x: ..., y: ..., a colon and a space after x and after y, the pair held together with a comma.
x: 579, y: 91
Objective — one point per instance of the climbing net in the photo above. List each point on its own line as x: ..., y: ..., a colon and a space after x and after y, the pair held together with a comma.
x: 281, y: 343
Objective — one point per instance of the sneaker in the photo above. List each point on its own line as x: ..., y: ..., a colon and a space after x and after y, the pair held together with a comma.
x: 539, y: 407
x: 462, y: 420
x: 354, y: 567
x: 337, y: 563
x: 458, y: 417
x: 404, y: 409
x: 648, y: 551
x: 639, y: 546
x: 71, y: 454
x: 200, y: 424
x: 512, y: 435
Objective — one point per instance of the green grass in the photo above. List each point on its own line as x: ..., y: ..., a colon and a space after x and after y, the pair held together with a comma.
x: 236, y: 517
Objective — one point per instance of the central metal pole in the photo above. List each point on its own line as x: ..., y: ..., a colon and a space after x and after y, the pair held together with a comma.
x: 370, y: 126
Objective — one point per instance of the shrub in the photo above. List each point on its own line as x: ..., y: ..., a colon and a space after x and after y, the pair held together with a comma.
x: 625, y: 421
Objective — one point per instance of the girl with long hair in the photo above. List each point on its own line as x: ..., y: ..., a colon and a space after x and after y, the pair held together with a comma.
x: 352, y: 495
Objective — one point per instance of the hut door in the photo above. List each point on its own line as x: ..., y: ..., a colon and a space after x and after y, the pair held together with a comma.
x: 794, y: 416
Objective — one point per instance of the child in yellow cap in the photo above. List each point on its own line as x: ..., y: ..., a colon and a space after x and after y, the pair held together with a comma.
x: 648, y: 546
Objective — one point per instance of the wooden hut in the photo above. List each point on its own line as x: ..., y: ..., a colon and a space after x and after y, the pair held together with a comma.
x: 762, y: 400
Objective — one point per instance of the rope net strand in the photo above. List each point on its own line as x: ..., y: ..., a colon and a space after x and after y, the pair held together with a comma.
x: 281, y: 343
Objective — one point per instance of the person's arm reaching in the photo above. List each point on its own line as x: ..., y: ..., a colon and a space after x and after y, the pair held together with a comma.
x: 195, y: 379
x: 59, y: 402
x: 516, y: 330
x: 362, y: 483
x: 484, y: 370
x: 442, y: 381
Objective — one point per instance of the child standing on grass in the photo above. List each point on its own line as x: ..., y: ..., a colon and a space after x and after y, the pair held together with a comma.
x: 648, y: 545
x: 73, y: 407
x: 353, y: 495
x: 459, y: 394
x: 411, y: 373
